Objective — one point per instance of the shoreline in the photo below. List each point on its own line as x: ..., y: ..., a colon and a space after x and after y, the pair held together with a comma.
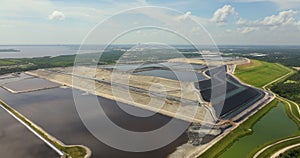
x: 28, y: 90
x: 58, y: 146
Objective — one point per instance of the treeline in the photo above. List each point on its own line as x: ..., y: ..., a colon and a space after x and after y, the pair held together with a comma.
x: 108, y: 57
x: 293, y: 153
x: 285, y: 55
x: 27, y: 64
x: 287, y: 59
x: 290, y: 90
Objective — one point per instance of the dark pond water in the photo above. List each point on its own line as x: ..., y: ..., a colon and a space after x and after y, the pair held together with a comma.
x: 169, y: 65
x: 54, y: 110
x: 18, y: 142
x: 174, y: 75
x: 30, y: 84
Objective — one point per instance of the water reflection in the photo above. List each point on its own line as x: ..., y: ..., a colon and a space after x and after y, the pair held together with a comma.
x: 54, y: 110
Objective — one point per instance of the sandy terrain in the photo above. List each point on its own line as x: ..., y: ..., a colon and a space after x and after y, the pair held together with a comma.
x: 210, y: 62
x: 168, y: 97
x: 297, y: 68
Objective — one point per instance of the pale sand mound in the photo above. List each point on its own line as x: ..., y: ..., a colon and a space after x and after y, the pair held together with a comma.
x: 168, y: 97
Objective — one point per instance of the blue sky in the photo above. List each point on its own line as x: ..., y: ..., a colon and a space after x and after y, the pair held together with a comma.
x: 228, y: 21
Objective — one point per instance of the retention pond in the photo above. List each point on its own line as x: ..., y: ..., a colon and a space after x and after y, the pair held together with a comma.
x: 54, y: 110
x: 274, y: 125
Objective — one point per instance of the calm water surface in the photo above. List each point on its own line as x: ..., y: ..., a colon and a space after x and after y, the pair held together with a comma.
x: 18, y: 142
x: 54, y: 110
x: 30, y: 84
x: 274, y: 125
x: 28, y: 51
x: 174, y: 75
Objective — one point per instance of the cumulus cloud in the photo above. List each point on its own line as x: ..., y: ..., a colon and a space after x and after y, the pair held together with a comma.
x: 242, y: 21
x: 246, y: 30
x: 284, y: 21
x: 185, y: 16
x: 282, y: 4
x: 222, y: 15
x: 57, y: 15
x: 284, y: 18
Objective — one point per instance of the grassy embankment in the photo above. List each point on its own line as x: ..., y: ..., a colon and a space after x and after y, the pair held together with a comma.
x: 70, y: 151
x: 258, y: 74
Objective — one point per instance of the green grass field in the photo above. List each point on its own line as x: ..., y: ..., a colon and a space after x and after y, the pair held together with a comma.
x: 259, y: 73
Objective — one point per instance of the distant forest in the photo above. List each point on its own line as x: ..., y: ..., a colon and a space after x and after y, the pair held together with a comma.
x: 27, y: 64
x: 285, y: 55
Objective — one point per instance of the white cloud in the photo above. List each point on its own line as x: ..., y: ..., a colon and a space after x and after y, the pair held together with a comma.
x: 57, y: 15
x: 228, y: 31
x: 282, y: 19
x: 222, y: 15
x: 246, y: 30
x: 242, y: 21
x: 284, y: 25
x: 185, y: 16
x: 280, y: 28
x: 282, y: 4
x: 25, y: 8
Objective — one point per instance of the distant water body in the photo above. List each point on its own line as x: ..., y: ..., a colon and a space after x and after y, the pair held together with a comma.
x: 29, y: 51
